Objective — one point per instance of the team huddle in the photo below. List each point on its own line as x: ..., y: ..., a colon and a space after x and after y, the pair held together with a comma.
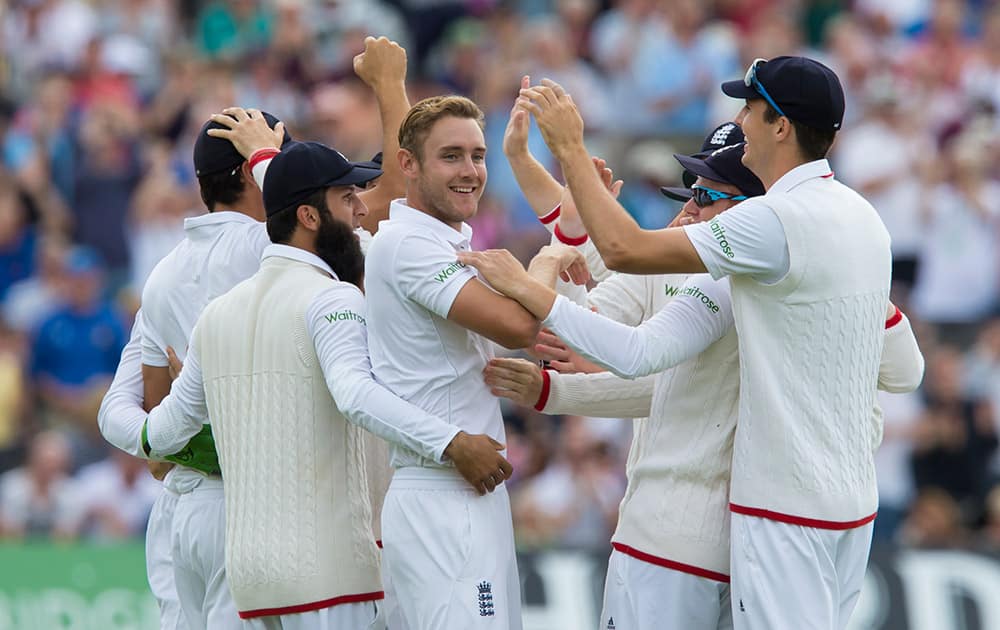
x: 323, y: 405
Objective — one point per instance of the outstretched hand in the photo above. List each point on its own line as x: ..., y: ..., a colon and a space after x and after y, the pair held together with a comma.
x: 516, y: 379
x: 247, y: 130
x: 477, y: 458
x: 515, y: 137
x: 557, y: 116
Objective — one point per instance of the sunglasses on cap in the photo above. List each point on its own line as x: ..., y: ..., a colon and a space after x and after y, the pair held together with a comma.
x: 751, y: 80
x: 704, y: 197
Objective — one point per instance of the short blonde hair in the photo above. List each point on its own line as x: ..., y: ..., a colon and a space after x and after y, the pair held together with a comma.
x: 423, y: 115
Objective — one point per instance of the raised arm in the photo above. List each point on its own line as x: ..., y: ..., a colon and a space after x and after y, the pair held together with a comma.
x: 541, y: 190
x: 623, y: 245
x: 383, y: 67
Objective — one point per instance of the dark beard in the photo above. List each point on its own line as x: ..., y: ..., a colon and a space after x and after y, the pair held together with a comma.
x: 339, y: 247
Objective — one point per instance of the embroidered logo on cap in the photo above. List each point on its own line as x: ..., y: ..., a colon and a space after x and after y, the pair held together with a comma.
x: 722, y: 133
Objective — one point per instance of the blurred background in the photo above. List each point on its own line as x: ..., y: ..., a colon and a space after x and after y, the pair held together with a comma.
x: 100, y: 101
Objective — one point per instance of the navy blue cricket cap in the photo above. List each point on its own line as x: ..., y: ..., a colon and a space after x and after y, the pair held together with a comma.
x: 806, y: 91
x: 722, y: 165
x: 302, y: 168
x: 375, y: 162
x: 724, y: 135
x: 214, y: 155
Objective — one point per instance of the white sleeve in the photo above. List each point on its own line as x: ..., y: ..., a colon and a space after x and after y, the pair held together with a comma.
x: 153, y: 347
x: 336, y: 322
x: 746, y: 240
x: 698, y: 317
x: 121, y: 415
x: 260, y: 170
x: 427, y: 272
x: 902, y: 367
x: 621, y: 297
x: 601, y: 395
x: 179, y: 416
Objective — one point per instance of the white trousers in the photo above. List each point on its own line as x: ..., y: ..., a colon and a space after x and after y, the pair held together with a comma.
x: 791, y: 577
x: 159, y: 564
x: 639, y: 595
x: 356, y: 616
x: 199, y: 551
x: 448, y: 554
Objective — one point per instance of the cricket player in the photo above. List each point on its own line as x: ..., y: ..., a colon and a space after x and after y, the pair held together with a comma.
x: 220, y: 249
x: 448, y: 550
x: 280, y: 365
x: 809, y: 266
x: 670, y: 564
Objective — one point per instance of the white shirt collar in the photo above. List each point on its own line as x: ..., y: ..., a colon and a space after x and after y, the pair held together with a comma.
x: 399, y: 211
x: 297, y: 254
x: 221, y: 216
x: 801, y: 173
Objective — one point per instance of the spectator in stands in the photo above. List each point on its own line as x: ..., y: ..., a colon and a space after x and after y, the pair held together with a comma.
x: 75, y: 353
x: 37, y: 499
x: 113, y: 497
x: 956, y: 437
x: 574, y: 501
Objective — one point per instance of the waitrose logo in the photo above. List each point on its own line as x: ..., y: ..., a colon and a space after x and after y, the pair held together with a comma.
x: 344, y: 316
x: 719, y: 233
x: 696, y: 293
x: 448, y: 271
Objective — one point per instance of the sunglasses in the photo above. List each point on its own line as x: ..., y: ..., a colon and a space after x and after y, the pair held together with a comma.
x: 704, y: 197
x: 751, y: 80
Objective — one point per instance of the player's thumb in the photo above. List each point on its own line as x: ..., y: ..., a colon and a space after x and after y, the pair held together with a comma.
x: 497, y: 445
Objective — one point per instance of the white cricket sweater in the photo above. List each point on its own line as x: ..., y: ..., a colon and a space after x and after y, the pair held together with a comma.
x: 298, y: 533
x: 810, y: 347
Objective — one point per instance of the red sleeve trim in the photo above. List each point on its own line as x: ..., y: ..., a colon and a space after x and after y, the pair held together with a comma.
x: 551, y: 216
x: 670, y: 564
x: 378, y: 543
x: 570, y: 240
x: 543, y: 397
x: 301, y: 608
x: 828, y: 175
x: 800, y: 520
x: 895, y: 319
x: 260, y: 155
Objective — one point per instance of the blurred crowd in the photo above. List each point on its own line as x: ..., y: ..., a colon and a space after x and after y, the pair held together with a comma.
x: 100, y: 101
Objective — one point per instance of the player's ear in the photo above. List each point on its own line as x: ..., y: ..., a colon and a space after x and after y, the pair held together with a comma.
x: 408, y: 162
x: 308, y: 217
x: 247, y: 173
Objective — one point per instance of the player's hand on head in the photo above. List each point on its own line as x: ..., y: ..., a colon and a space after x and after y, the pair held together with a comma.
x: 382, y: 62
x: 515, y: 137
x: 557, y: 115
x: 498, y: 267
x: 517, y: 379
x: 477, y: 458
x: 247, y: 130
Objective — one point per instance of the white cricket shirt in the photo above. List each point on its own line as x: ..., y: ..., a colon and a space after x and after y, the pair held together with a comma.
x: 219, y: 250
x: 411, y: 281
